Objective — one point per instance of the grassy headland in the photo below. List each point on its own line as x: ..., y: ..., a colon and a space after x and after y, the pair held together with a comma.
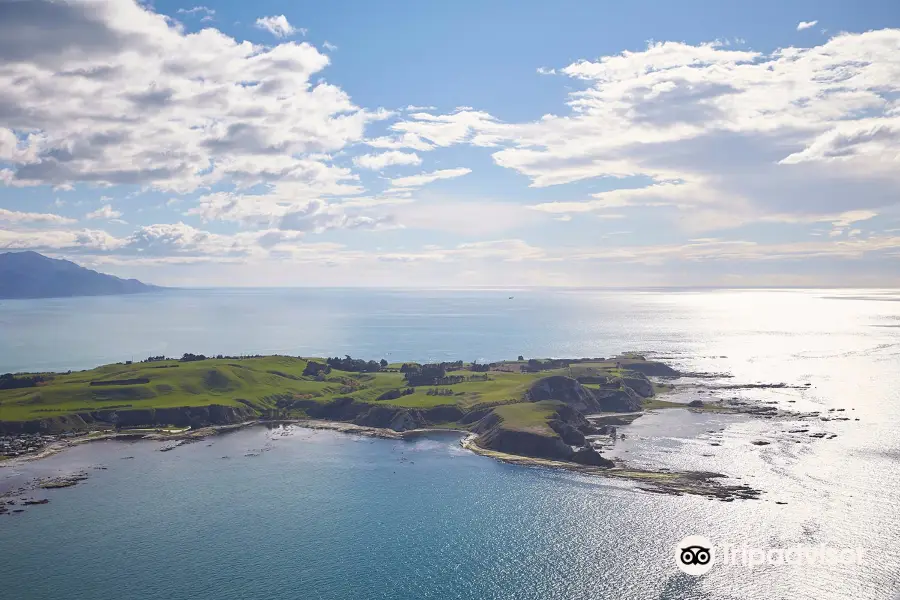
x: 532, y: 408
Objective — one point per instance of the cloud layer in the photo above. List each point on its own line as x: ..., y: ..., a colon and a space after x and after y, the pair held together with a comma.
x: 259, y: 154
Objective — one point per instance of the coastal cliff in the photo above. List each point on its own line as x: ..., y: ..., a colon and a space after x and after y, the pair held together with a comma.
x: 530, y: 408
x: 185, y: 416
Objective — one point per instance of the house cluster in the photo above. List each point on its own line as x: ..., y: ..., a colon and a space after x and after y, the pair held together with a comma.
x: 17, y: 445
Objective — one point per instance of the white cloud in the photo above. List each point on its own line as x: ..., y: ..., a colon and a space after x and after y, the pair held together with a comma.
x: 850, y: 217
x: 377, y: 162
x: 806, y: 25
x: 278, y: 26
x: 329, y: 46
x: 464, y: 125
x: 426, y: 178
x: 104, y: 212
x: 89, y: 240
x: 11, y: 216
x: 468, y: 218
x: 280, y: 209
x: 710, y: 136
x: 213, y: 110
x: 735, y: 135
x: 207, y: 12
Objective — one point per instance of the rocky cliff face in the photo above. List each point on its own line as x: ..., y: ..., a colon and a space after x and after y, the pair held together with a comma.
x: 586, y: 400
x: 619, y: 400
x: 563, y: 389
x: 193, y: 416
x: 640, y: 384
x: 524, y: 443
x: 569, y: 427
x: 652, y: 368
x: 379, y: 415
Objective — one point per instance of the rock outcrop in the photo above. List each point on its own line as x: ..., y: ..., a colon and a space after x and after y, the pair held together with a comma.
x: 565, y: 390
x: 185, y: 416
x: 623, y: 399
x: 379, y: 415
x: 589, y: 456
x: 651, y: 368
x: 640, y: 384
x: 568, y: 427
x: 567, y: 433
x: 588, y: 400
x: 525, y: 443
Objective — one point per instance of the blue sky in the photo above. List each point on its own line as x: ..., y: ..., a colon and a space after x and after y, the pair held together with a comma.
x: 466, y: 143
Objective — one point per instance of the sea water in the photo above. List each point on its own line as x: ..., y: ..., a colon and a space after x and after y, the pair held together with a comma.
x: 295, y: 513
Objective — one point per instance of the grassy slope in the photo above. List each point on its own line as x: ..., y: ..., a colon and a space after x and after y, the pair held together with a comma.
x: 172, y: 384
x: 262, y: 381
x: 528, y: 416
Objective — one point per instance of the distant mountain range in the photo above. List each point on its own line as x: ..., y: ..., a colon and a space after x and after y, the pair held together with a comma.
x: 33, y: 275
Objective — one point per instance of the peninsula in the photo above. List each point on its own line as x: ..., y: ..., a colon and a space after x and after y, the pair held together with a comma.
x: 32, y: 275
x: 546, y: 412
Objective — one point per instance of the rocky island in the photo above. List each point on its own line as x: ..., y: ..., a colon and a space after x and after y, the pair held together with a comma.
x: 542, y: 412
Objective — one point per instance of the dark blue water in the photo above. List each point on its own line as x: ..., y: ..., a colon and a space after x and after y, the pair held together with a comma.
x: 325, y: 515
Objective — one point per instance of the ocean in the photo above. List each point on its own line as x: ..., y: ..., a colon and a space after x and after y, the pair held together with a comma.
x: 295, y: 513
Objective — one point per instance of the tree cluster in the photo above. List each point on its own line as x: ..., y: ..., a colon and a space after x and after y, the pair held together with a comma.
x: 8, y: 381
x: 437, y: 392
x: 357, y: 365
x: 424, y: 374
x: 313, y: 369
x: 394, y: 394
x: 534, y: 365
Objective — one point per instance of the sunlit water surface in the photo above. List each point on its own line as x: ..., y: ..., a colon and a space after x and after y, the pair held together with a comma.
x: 302, y: 514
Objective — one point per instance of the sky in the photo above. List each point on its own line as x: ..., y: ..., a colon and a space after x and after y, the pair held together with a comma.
x: 468, y: 143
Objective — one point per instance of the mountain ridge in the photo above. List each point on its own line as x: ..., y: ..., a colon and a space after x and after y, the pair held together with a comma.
x: 31, y: 275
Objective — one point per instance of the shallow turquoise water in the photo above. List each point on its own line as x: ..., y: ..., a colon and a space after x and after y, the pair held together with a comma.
x: 325, y: 515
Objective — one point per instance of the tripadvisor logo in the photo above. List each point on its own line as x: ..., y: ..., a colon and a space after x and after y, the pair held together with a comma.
x: 694, y: 555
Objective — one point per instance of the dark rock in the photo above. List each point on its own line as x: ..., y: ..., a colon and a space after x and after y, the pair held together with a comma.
x: 640, y: 384
x: 449, y: 413
x: 696, y: 404
x: 621, y: 400
x: 569, y: 434
x: 398, y: 419
x: 563, y: 389
x: 474, y: 415
x: 589, y: 456
x: 760, y: 443
x: 525, y: 443
x: 651, y: 368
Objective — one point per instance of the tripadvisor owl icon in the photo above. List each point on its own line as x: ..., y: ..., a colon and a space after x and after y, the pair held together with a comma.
x: 694, y: 555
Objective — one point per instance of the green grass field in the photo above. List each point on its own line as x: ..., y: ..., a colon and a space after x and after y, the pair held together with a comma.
x: 261, y: 382
x: 528, y: 416
x: 271, y: 382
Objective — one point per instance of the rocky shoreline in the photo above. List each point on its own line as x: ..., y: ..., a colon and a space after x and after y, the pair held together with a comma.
x: 674, y: 483
x: 563, y: 419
